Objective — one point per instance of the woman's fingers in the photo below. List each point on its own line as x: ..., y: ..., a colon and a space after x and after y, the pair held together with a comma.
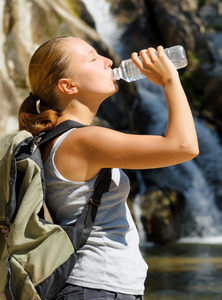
x: 155, y: 65
x: 160, y: 51
x: 5, y: 231
x: 148, y: 55
x: 3, y: 296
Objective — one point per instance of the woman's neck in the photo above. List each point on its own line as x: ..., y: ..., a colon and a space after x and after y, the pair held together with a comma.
x: 79, y: 111
x: 74, y: 118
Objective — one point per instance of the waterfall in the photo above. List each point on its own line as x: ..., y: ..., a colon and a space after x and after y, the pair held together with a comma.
x: 198, y: 180
x: 106, y: 24
x: 137, y: 207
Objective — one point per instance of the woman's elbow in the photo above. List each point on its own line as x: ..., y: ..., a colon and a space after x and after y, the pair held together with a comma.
x: 194, y: 151
x: 190, y: 150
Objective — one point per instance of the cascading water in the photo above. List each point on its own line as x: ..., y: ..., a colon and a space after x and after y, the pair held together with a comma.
x: 198, y: 180
x: 106, y: 24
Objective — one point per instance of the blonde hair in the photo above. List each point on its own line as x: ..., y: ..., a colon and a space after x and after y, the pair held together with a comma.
x: 48, y: 64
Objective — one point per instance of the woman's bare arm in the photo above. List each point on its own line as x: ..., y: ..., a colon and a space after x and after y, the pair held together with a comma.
x: 179, y: 143
x: 93, y: 148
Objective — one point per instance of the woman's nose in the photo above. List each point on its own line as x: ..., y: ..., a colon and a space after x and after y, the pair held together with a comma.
x: 109, y: 63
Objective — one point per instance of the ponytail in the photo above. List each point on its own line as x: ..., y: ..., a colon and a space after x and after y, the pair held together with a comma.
x: 32, y: 120
x: 40, y: 111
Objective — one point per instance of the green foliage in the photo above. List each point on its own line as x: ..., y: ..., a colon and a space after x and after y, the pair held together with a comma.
x: 193, y: 91
x: 200, y: 3
x: 192, y: 59
x: 192, y: 88
x: 74, y: 5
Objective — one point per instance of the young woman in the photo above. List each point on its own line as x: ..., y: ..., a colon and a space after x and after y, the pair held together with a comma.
x: 69, y: 80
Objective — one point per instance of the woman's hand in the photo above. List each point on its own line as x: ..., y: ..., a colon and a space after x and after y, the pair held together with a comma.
x: 155, y: 65
x: 3, y: 296
x: 112, y: 149
x: 5, y: 229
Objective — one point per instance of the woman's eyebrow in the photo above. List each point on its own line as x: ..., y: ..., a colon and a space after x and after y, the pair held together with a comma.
x: 93, y: 51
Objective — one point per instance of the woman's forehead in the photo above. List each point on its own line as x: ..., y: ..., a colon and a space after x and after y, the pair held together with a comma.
x: 78, y: 46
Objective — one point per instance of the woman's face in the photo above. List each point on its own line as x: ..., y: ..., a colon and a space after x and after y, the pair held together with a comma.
x: 93, y: 73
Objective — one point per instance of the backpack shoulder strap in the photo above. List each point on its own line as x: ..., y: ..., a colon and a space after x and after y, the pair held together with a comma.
x: 85, y: 222
x: 58, y: 130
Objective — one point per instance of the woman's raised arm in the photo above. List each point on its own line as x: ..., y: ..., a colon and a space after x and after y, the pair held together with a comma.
x: 179, y: 144
x: 93, y: 148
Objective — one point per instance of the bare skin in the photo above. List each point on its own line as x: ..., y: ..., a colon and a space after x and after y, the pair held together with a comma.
x: 86, y: 150
x: 3, y: 296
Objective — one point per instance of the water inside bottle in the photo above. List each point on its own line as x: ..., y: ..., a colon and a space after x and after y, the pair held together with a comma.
x: 179, y: 63
x: 129, y: 72
x: 177, y: 55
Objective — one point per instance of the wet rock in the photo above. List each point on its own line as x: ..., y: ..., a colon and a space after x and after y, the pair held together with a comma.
x: 27, y: 27
x: 162, y: 213
x: 178, y: 22
x: 148, y: 23
x: 213, y: 100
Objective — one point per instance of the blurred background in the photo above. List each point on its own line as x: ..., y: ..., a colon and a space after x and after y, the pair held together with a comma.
x: 178, y: 210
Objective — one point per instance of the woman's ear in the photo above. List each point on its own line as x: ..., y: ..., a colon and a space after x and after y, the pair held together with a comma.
x: 67, y: 85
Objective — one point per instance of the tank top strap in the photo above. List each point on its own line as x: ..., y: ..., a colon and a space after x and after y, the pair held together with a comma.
x: 57, y: 144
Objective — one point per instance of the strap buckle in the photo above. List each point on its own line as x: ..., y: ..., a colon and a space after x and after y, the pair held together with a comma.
x: 95, y: 202
x: 5, y: 228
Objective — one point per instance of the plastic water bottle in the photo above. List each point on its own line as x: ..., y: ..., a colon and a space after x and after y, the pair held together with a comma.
x: 129, y: 72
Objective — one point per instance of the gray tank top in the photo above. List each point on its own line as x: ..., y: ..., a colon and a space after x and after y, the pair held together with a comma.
x: 111, y: 259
